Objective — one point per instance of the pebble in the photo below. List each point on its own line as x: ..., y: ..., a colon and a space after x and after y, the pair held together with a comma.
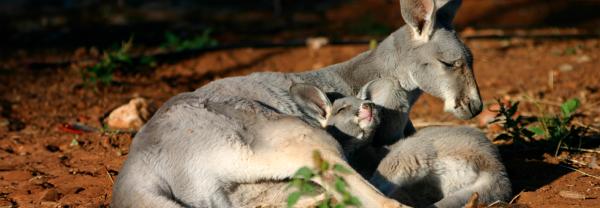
x: 4, y: 122
x: 317, y: 42
x: 50, y: 195
x: 572, y: 195
x: 583, y: 59
x: 565, y: 67
x: 130, y: 116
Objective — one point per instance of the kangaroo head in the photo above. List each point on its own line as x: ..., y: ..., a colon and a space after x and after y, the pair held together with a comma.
x: 434, y: 58
x: 350, y: 120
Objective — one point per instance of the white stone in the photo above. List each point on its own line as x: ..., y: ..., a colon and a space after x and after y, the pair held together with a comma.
x: 130, y: 116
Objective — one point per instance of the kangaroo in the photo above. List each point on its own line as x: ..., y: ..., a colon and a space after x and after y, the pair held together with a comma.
x: 248, y: 129
x: 442, y: 167
x: 350, y: 120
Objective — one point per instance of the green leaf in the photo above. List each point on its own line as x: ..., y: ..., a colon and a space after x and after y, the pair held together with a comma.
x: 340, y: 185
x: 304, y: 172
x: 318, y: 160
x: 569, y: 107
x: 293, y: 198
x: 513, y: 109
x: 324, y: 203
x: 537, y: 130
x: 340, y: 206
x: 353, y: 201
x: 341, y: 169
x: 171, y: 38
x: 74, y: 142
x: 297, y: 182
x: 324, y: 166
x: 307, y: 188
x: 372, y: 44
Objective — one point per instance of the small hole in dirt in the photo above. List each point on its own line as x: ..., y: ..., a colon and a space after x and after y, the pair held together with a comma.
x: 592, y: 89
x: 113, y: 172
x: 52, y: 148
x: 9, y: 150
x: 16, y: 125
x: 63, y: 158
x: 79, y: 190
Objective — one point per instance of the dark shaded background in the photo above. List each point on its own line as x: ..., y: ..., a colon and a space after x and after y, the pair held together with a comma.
x: 67, y: 24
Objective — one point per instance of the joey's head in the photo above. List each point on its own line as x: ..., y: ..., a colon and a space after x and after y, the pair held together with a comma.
x: 434, y: 59
x: 350, y: 120
x: 353, y: 121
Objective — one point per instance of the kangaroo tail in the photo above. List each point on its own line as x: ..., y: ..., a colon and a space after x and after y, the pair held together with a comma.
x: 490, y: 186
x: 140, y: 190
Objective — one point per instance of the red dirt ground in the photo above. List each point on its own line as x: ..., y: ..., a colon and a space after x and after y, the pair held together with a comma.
x: 44, y: 166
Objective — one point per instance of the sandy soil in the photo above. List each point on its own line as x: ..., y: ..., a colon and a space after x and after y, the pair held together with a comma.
x: 45, y: 164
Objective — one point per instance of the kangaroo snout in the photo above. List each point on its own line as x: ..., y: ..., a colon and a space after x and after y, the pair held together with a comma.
x: 366, y: 111
x: 475, y: 107
x: 466, y: 108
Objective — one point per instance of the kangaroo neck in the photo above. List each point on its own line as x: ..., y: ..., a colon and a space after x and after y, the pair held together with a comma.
x: 385, y: 61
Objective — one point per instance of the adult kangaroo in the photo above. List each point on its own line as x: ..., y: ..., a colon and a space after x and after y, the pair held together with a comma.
x: 247, y: 129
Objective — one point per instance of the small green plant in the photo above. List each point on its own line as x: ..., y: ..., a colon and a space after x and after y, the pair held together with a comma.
x: 514, y: 125
x: 103, y: 70
x: 372, y: 44
x: 113, y: 60
x: 558, y: 128
x: 328, y: 174
x: 550, y: 130
x: 176, y: 43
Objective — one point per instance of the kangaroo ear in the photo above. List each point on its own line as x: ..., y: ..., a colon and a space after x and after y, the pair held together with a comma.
x: 312, y: 101
x: 447, y: 10
x: 384, y: 92
x: 420, y: 16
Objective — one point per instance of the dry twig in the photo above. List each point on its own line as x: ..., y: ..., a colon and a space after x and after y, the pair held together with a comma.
x: 580, y: 149
x: 580, y: 171
x: 109, y: 176
x: 515, y: 197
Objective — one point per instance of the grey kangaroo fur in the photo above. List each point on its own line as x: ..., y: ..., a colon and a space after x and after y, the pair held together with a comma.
x: 236, y: 130
x: 442, y: 167
x: 350, y: 120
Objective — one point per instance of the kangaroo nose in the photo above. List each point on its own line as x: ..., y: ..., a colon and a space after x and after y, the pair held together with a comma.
x: 366, y: 106
x: 475, y: 107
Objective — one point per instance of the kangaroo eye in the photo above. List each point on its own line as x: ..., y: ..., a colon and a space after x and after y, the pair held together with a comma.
x: 447, y: 64
x: 339, y: 110
x: 458, y: 63
x: 452, y: 64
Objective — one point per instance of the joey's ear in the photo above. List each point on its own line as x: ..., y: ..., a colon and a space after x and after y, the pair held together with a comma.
x: 312, y: 101
x: 446, y: 10
x: 419, y: 15
x: 384, y: 92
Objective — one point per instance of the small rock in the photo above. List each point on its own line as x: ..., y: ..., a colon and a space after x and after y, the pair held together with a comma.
x: 316, y: 43
x: 583, y: 59
x: 4, y: 122
x: 129, y: 116
x: 50, y: 195
x: 572, y: 195
x: 317, y: 65
x: 50, y: 204
x: 565, y: 67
